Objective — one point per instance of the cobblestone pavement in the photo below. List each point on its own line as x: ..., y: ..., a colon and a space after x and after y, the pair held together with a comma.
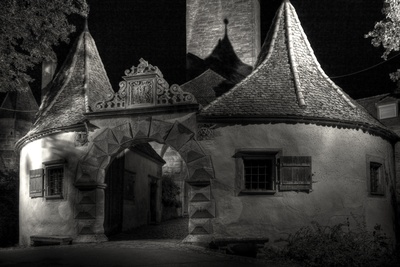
x: 150, y: 245
x: 125, y: 253
x: 176, y: 229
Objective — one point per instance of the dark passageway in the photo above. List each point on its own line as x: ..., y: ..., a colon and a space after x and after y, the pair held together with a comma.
x: 176, y: 229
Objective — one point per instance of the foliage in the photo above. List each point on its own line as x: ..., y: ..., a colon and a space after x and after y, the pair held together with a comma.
x: 28, y: 31
x: 386, y: 32
x: 8, y: 208
x: 169, y: 193
x: 337, y: 245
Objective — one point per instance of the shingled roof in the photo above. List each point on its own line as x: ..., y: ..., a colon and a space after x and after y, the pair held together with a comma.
x: 288, y: 82
x: 369, y: 103
x: 202, y: 87
x: 81, y: 82
x: 20, y: 105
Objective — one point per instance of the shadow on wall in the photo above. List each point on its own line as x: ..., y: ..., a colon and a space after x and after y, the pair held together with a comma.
x: 223, y: 60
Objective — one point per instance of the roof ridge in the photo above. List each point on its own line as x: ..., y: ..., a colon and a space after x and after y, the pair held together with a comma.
x: 341, y: 93
x: 86, y: 64
x: 291, y: 54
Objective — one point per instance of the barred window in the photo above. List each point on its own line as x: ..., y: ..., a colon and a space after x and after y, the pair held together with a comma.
x: 55, y: 177
x: 259, y: 173
x: 267, y: 171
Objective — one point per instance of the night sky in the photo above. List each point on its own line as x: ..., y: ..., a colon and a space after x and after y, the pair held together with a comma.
x: 127, y: 30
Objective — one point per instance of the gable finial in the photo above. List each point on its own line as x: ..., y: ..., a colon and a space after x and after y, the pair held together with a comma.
x: 86, y: 27
x: 226, y: 21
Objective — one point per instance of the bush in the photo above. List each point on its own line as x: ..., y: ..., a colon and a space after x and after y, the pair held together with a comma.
x: 8, y: 208
x: 337, y: 245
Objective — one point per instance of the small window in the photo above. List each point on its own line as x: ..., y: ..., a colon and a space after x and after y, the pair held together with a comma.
x: 256, y: 171
x: 376, y: 179
x: 54, y: 179
x: 266, y: 171
x: 259, y: 173
x: 387, y: 111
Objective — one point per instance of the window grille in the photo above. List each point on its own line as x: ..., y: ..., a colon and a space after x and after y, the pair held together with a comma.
x: 259, y: 174
x: 55, y: 177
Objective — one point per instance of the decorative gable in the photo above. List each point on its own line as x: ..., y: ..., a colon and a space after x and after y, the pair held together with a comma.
x: 144, y: 86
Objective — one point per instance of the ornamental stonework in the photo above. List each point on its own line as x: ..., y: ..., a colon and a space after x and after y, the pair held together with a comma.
x: 206, y: 131
x: 144, y: 86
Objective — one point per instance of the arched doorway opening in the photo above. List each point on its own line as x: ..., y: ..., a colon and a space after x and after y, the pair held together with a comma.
x: 133, y: 191
x: 107, y: 143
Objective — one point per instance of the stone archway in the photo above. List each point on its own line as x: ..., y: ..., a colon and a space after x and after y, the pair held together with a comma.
x: 106, y: 143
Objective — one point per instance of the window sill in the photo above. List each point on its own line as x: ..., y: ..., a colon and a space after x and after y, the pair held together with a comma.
x: 54, y: 197
x: 254, y: 192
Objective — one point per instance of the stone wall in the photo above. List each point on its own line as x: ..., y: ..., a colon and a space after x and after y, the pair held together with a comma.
x: 339, y: 180
x: 205, y: 26
x: 41, y: 216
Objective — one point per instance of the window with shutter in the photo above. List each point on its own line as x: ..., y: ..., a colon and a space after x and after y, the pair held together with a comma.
x: 295, y: 173
x: 256, y: 171
x: 55, y: 175
x: 54, y: 178
x: 36, y: 183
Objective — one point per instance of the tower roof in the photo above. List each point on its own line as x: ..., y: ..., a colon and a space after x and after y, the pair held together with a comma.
x: 20, y: 104
x: 81, y: 82
x: 288, y: 82
x: 202, y: 87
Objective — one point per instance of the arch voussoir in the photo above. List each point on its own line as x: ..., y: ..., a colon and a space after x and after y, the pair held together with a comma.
x: 110, y: 141
x: 159, y: 130
x: 178, y: 136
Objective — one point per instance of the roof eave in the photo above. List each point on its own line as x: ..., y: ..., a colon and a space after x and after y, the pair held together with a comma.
x: 32, y: 137
x: 293, y: 119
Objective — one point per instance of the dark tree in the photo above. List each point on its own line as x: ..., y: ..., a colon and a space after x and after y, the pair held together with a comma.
x: 29, y: 29
x: 386, y: 32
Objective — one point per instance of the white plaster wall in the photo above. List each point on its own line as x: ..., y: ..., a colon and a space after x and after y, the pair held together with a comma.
x: 340, y: 189
x: 136, y: 213
x: 40, y: 216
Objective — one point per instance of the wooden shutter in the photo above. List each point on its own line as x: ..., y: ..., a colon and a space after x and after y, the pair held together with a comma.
x: 36, y: 183
x: 295, y: 173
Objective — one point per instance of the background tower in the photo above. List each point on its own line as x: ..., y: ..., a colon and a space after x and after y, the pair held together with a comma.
x: 205, y: 26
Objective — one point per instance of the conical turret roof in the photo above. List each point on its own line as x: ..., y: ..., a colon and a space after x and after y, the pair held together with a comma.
x: 81, y: 83
x: 288, y: 83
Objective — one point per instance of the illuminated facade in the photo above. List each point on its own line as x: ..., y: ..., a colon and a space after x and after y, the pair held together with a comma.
x: 285, y: 146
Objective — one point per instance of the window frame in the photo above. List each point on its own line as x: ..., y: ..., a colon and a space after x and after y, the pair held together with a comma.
x: 48, y: 166
x: 377, y: 161
x: 387, y: 105
x: 252, y: 153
